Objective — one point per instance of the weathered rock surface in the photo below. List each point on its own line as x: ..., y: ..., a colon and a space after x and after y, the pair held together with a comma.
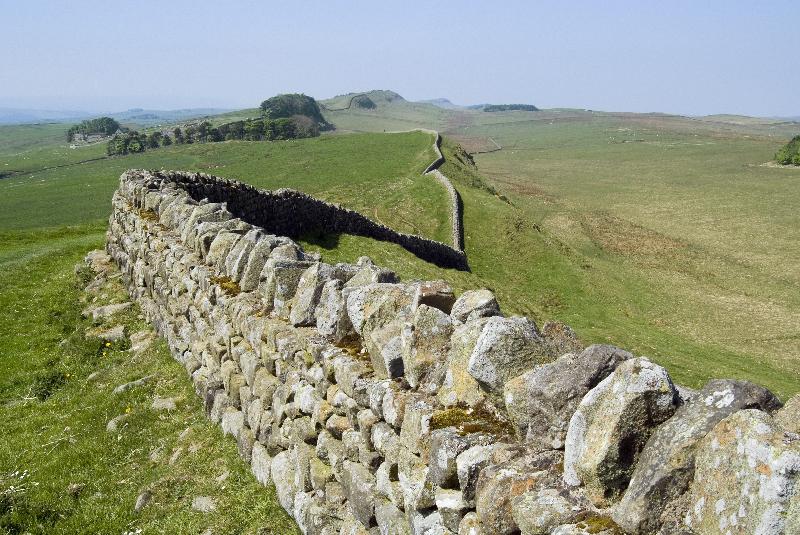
x: 541, y: 401
x: 425, y: 343
x: 505, y: 348
x: 612, y: 424
x: 474, y: 304
x: 788, y: 416
x: 747, y: 478
x: 666, y: 465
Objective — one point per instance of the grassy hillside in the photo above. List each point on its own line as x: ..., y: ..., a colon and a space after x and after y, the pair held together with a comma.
x: 659, y: 233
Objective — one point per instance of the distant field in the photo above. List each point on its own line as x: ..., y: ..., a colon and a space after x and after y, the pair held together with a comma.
x: 661, y: 234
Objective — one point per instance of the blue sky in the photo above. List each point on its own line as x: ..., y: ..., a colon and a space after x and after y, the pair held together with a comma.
x: 685, y: 57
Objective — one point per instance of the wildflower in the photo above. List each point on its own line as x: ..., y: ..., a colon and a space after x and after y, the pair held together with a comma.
x: 108, y: 344
x: 128, y: 409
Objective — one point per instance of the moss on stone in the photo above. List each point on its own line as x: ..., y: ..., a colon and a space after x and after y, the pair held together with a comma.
x: 479, y: 419
x: 148, y: 215
x: 599, y: 524
x: 230, y: 287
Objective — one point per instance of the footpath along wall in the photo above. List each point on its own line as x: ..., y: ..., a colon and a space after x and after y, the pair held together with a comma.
x: 379, y: 406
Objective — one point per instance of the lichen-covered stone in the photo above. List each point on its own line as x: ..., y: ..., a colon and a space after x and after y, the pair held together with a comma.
x: 666, y: 465
x: 459, y: 387
x: 788, y: 416
x: 541, y: 401
x: 474, y: 304
x: 333, y: 322
x: 747, y: 478
x: 391, y: 521
x: 425, y: 344
x: 499, y: 484
x: 612, y: 424
x: 505, y: 348
x: 540, y: 511
x: 359, y: 487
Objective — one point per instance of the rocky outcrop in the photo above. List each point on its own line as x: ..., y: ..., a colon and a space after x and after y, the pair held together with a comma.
x: 374, y: 405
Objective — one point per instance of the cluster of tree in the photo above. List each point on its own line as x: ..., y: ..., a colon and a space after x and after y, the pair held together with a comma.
x: 789, y: 153
x: 250, y: 130
x: 293, y: 105
x: 510, y: 107
x: 133, y: 141
x: 100, y: 126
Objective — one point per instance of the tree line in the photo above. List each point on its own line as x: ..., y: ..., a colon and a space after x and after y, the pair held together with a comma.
x: 262, y: 129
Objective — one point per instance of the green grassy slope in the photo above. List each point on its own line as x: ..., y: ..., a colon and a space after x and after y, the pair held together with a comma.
x: 61, y: 471
x: 659, y: 233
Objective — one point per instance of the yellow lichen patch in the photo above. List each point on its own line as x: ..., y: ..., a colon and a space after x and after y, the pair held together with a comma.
x: 148, y: 215
x: 230, y: 287
x: 599, y: 524
x: 468, y: 420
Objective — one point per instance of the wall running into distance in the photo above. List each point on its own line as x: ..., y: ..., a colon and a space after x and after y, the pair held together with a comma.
x: 377, y: 406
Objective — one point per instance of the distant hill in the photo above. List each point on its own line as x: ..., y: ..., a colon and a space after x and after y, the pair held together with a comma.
x: 377, y: 96
x: 135, y: 115
x: 24, y: 115
x: 441, y: 103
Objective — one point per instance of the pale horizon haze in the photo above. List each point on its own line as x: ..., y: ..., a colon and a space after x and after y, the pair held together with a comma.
x: 692, y: 58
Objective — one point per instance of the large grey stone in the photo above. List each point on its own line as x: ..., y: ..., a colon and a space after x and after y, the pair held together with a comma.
x: 425, y: 345
x: 747, y: 478
x: 333, y: 322
x: 666, y: 465
x: 541, y: 401
x: 459, y: 387
x: 612, y: 424
x: 499, y: 484
x: 506, y: 347
x: 359, y: 487
x: 474, y: 304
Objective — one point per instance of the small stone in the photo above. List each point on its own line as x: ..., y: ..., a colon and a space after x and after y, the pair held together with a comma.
x: 102, y: 313
x: 204, y: 504
x: 133, y: 384
x: 142, y: 500
x: 788, y: 417
x: 74, y: 489
x: 163, y: 404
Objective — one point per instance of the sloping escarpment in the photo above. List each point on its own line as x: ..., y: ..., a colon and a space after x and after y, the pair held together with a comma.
x: 375, y: 405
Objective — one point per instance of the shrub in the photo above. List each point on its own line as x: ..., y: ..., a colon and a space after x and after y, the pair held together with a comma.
x: 789, y: 154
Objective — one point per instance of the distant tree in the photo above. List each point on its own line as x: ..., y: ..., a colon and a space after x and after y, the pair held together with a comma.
x: 189, y: 134
x: 154, y: 140
x: 100, y: 126
x: 166, y: 141
x: 254, y: 130
x: 789, y: 154
x: 510, y: 107
x: 178, y: 135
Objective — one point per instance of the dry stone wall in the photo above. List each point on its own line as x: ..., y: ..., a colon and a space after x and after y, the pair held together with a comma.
x: 456, y: 205
x: 376, y: 406
x: 291, y: 213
